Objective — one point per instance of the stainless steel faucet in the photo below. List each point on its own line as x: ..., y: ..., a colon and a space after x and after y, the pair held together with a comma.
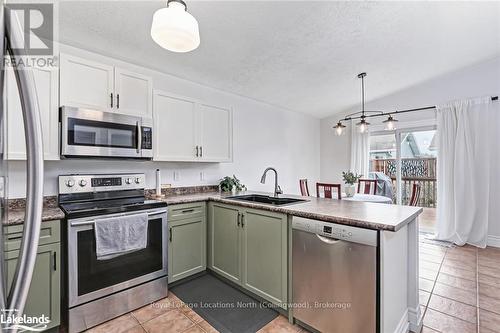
x: 277, y: 188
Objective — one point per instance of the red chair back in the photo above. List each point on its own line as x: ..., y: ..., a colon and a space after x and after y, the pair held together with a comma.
x: 304, y: 189
x: 328, y: 189
x: 369, y: 186
x: 415, y: 194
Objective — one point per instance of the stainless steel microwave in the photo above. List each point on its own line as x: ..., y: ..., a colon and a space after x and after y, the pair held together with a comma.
x: 92, y: 133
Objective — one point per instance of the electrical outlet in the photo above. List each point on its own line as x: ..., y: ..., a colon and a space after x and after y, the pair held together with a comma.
x: 202, y: 176
x: 177, y: 176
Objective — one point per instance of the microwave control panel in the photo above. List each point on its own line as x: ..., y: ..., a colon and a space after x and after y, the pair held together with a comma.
x: 147, y: 138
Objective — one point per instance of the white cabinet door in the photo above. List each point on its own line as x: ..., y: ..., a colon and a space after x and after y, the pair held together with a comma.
x: 85, y: 83
x: 174, y: 128
x: 215, y: 132
x: 46, y: 82
x: 134, y: 93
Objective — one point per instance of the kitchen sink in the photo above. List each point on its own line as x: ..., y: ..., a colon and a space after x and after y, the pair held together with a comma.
x: 266, y: 199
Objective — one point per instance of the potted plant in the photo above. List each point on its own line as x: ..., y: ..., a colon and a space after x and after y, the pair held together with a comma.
x: 231, y: 184
x: 350, y: 178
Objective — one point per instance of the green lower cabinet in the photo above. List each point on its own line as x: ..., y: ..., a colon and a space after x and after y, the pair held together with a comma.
x: 265, y: 255
x: 225, y: 243
x: 250, y: 247
x: 44, y: 292
x: 187, y: 248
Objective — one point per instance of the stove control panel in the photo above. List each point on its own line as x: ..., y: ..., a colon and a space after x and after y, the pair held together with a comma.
x: 98, y: 183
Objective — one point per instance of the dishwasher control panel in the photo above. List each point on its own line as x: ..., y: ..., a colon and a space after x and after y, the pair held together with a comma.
x: 336, y: 231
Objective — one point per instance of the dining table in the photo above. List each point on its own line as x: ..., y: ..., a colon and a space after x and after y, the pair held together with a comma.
x: 367, y: 198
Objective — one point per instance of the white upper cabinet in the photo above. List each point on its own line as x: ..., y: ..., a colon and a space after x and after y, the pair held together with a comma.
x: 46, y: 83
x: 85, y: 83
x: 94, y: 85
x: 174, y: 128
x: 134, y: 93
x: 188, y: 130
x: 215, y: 131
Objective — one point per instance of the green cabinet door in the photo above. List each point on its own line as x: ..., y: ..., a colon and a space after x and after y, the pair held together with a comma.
x: 187, y: 248
x: 44, y: 292
x: 224, y: 240
x: 265, y: 255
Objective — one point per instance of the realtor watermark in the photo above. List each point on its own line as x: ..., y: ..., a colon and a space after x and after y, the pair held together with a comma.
x: 34, y: 24
x: 11, y: 319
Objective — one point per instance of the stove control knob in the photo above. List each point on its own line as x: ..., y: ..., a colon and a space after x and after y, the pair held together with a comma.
x: 70, y: 183
x: 138, y: 180
x: 82, y: 183
x: 128, y: 180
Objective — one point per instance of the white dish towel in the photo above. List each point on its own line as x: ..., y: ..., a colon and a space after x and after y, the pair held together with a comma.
x: 116, y: 236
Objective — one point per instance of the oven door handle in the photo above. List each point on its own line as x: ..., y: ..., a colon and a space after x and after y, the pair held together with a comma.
x: 88, y: 222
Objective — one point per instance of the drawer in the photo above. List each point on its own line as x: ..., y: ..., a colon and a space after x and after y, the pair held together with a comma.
x: 186, y: 211
x: 50, y: 232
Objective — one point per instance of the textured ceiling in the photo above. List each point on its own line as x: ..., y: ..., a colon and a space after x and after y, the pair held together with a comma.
x: 300, y: 55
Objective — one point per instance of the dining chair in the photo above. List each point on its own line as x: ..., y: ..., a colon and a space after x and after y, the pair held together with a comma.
x: 304, y: 189
x: 327, y: 190
x: 415, y: 194
x: 370, y: 186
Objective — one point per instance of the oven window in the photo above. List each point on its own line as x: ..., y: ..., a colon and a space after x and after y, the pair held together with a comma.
x: 96, y: 274
x: 83, y: 132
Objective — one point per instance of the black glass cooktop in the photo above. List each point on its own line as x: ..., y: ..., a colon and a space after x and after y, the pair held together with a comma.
x: 104, y: 207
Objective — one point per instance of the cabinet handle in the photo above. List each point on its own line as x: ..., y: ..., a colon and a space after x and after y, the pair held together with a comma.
x: 55, y: 261
x: 197, y: 151
x: 117, y: 101
x: 188, y: 211
x: 238, y: 219
x: 111, y: 99
x: 242, y: 220
x: 170, y: 235
x: 201, y: 151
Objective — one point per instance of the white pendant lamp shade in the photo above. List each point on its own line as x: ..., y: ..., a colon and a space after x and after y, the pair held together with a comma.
x: 174, y: 29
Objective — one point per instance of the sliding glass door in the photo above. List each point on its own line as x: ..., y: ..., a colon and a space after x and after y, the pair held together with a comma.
x: 407, y: 157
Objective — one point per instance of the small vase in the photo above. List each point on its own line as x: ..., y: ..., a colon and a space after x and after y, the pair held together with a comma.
x: 350, y: 190
x: 234, y: 191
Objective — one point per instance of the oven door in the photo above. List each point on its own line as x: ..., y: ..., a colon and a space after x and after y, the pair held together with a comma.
x: 91, y: 133
x: 90, y: 279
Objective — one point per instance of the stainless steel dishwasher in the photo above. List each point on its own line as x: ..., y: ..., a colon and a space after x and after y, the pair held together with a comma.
x: 334, y: 276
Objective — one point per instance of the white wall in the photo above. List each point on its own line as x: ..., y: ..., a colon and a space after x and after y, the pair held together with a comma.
x: 480, y: 80
x: 264, y: 135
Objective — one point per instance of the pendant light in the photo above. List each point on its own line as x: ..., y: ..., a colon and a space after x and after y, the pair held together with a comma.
x: 339, y: 129
x: 390, y: 123
x: 363, y: 126
x: 174, y: 29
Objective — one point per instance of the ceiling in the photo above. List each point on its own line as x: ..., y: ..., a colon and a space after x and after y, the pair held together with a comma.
x: 299, y: 55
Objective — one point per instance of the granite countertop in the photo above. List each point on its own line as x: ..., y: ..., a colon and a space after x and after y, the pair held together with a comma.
x: 16, y: 215
x: 360, y: 214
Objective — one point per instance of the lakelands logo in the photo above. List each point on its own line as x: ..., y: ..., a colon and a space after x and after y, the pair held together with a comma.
x: 11, y: 319
x: 37, y: 45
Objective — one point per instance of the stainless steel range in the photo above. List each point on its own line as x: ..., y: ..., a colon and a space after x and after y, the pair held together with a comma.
x: 98, y: 290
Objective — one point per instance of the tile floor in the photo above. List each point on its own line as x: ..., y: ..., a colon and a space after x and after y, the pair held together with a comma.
x: 460, y: 289
x: 460, y: 293
x: 171, y: 315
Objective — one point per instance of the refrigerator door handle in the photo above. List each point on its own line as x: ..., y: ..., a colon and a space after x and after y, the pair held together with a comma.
x: 34, y: 186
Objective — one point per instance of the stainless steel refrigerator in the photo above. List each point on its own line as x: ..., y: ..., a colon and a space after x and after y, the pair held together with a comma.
x: 13, y: 299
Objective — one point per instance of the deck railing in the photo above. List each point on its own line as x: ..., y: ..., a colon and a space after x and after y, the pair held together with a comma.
x: 413, y: 170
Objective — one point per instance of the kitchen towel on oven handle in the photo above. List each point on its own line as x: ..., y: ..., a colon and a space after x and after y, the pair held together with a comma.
x: 116, y: 236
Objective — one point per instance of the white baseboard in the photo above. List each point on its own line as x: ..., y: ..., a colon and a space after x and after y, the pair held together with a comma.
x: 415, y: 319
x: 404, y: 324
x: 493, y: 241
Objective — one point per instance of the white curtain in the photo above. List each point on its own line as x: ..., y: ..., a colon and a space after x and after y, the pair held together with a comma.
x: 468, y: 141
x: 360, y: 155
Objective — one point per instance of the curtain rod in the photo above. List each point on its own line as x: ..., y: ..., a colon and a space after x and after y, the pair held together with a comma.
x: 381, y: 113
